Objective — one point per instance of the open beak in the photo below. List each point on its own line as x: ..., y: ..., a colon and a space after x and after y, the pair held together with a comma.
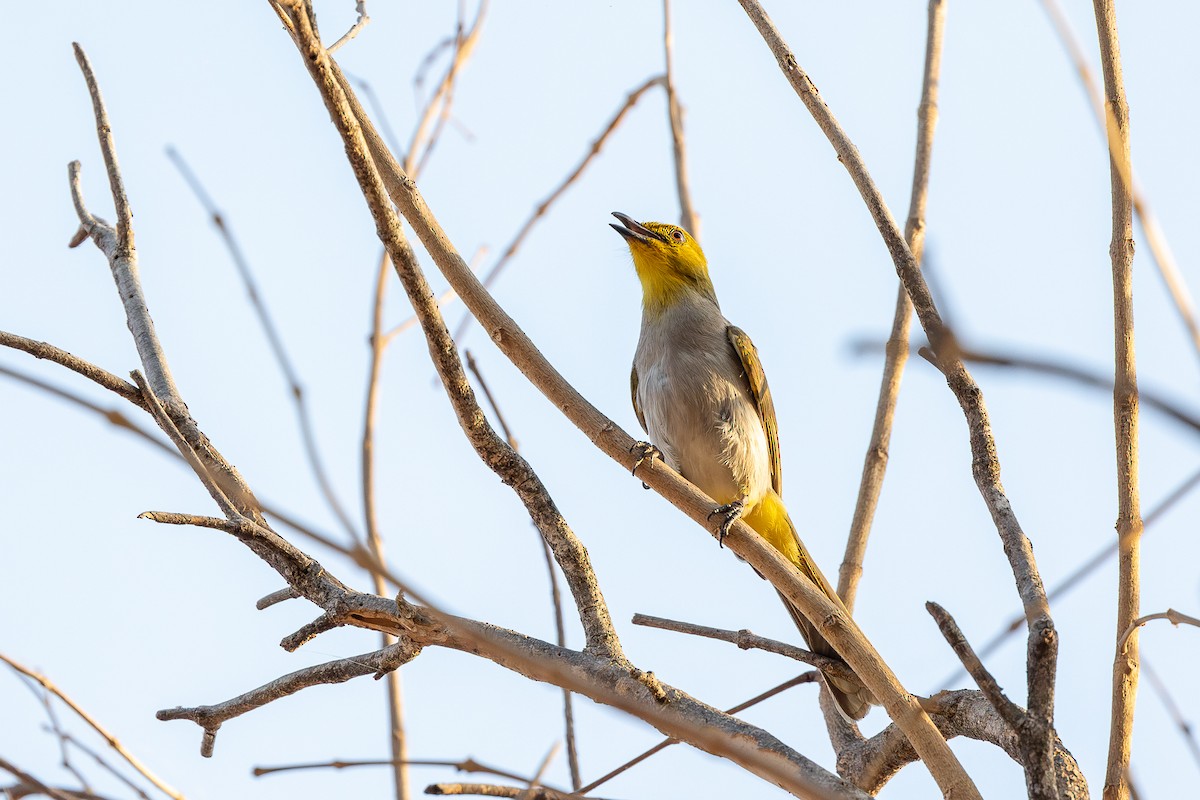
x: 634, y: 231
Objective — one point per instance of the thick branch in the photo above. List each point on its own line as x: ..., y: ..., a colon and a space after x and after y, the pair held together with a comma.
x: 495, y: 452
x: 985, y: 462
x: 960, y: 713
x: 835, y: 624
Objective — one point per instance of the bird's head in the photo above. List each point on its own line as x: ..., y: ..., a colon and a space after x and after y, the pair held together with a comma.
x: 668, y: 261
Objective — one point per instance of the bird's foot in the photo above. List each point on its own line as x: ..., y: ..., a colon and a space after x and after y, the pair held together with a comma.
x: 732, y: 512
x: 644, y: 452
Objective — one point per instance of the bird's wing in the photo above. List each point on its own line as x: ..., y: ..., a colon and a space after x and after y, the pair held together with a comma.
x: 633, y: 387
x: 761, y: 392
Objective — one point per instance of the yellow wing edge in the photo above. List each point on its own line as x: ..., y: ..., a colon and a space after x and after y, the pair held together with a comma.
x: 752, y: 369
x: 633, y: 387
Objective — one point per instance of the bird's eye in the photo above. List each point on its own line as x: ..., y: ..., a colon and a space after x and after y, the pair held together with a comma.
x: 677, y: 236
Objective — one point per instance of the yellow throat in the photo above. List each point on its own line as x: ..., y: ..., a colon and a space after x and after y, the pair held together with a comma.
x: 669, y: 262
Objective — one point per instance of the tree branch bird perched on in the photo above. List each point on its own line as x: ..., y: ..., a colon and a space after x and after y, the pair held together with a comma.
x: 700, y: 393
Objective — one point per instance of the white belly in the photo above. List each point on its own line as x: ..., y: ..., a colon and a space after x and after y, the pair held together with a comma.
x: 698, y: 410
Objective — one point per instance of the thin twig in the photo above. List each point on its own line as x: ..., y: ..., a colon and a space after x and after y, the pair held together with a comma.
x: 111, y: 740
x: 1171, y: 615
x: 211, y: 717
x: 748, y: 640
x: 55, y: 727
x: 838, y: 627
x: 468, y: 765
x: 397, y: 740
x: 804, y: 677
x: 1125, y: 408
x: 1186, y: 730
x: 44, y: 350
x: 1084, y: 570
x: 492, y: 790
x: 799, y: 774
x: 593, y: 150
x: 124, y: 230
x: 38, y: 786
x: 688, y: 218
x: 487, y: 393
x: 555, y: 594
x: 444, y: 299
x: 464, y: 47
x: 303, y: 416
x: 360, y: 7
x: 1007, y: 709
x: 103, y: 764
x: 875, y: 462
x: 1156, y: 239
x: 117, y: 246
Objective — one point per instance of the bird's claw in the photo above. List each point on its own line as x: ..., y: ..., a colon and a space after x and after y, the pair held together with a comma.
x: 644, y: 451
x: 732, y: 512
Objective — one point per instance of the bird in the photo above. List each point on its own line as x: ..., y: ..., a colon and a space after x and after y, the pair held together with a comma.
x: 700, y: 394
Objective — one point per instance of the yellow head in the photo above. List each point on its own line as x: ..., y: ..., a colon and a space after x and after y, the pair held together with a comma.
x: 668, y: 261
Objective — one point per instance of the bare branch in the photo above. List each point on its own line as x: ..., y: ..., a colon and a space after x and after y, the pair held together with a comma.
x: 1186, y: 730
x: 33, y: 783
x: 688, y: 218
x: 287, y: 593
x: 109, y: 738
x: 570, y: 553
x: 1087, y: 568
x: 492, y: 790
x: 211, y: 717
x: 1043, y: 642
x: 1125, y: 408
x: 117, y: 247
x: 967, y: 713
x: 804, y: 677
x: 875, y: 462
x: 124, y: 230
x: 1156, y: 239
x: 43, y: 350
x: 837, y: 625
x: 468, y: 765
x: 1176, y: 618
x: 1007, y: 709
x: 594, y: 150
x: 748, y: 640
x: 303, y: 418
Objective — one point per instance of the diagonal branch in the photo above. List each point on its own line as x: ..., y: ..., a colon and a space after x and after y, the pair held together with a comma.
x: 836, y: 624
x: 688, y: 218
x: 1043, y: 640
x: 593, y: 150
x: 748, y: 640
x: 308, y: 435
x: 110, y: 739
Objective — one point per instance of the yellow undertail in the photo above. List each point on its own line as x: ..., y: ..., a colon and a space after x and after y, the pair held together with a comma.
x: 770, y: 519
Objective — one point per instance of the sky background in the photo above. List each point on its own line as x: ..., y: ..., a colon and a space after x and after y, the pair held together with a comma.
x: 128, y: 617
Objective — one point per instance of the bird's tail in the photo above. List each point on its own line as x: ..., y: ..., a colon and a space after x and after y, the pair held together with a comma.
x: 770, y: 519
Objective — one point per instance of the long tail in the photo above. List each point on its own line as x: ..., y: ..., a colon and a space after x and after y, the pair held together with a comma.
x: 771, y: 520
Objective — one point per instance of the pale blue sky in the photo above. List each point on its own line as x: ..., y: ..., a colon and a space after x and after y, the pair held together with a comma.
x: 130, y: 618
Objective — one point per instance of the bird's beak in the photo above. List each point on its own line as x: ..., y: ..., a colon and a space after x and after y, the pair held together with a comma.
x: 634, y: 231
